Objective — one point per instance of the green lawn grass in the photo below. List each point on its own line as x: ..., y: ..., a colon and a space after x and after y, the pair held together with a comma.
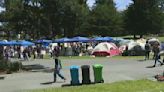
x: 161, y: 39
x: 124, y: 86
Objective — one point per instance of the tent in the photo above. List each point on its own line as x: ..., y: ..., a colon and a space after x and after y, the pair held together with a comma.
x: 3, y: 43
x: 44, y: 42
x: 24, y: 43
x: 117, y: 39
x: 79, y: 39
x: 62, y: 40
x: 13, y: 42
x: 106, y: 49
x: 153, y: 41
x: 135, y: 48
x: 102, y: 39
x: 6, y: 43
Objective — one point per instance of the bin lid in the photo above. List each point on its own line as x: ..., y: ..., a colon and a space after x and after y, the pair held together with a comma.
x: 74, y: 67
x: 98, y: 65
x: 85, y: 66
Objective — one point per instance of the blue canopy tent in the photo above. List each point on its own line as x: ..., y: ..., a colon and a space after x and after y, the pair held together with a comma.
x: 44, y: 42
x: 3, y: 43
x: 118, y: 39
x: 24, y: 43
x: 80, y: 39
x: 102, y: 39
x: 13, y: 42
x: 62, y: 40
x: 10, y: 43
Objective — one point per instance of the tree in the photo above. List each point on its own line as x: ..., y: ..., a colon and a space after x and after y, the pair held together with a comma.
x: 105, y: 19
x: 161, y: 5
x: 75, y: 15
x: 143, y: 17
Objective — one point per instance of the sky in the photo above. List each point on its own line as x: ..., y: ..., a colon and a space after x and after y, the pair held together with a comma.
x: 120, y: 4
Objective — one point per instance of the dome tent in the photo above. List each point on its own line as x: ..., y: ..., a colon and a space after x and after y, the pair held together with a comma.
x: 106, y: 49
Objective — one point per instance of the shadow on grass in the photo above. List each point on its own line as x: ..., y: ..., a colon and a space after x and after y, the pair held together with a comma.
x: 2, y: 77
x: 150, y: 67
x: 51, y: 82
x: 34, y: 66
x: 142, y: 60
x: 70, y: 85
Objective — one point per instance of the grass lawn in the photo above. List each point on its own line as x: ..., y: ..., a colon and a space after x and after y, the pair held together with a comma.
x: 124, y: 86
x: 161, y: 39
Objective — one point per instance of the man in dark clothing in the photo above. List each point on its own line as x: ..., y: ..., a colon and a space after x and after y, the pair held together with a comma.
x: 147, y: 50
x: 56, y: 51
x: 157, y: 57
x: 57, y: 70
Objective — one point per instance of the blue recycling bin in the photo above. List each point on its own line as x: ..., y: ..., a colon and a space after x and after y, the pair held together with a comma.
x: 74, y: 70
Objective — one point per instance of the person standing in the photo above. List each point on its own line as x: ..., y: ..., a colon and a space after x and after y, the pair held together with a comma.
x: 157, y: 56
x: 147, y: 50
x: 57, y: 69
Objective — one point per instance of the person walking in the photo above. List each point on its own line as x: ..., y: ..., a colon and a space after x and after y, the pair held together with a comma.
x: 157, y: 56
x: 57, y: 70
x: 147, y: 50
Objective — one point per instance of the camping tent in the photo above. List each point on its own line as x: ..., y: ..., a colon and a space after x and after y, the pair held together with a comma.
x: 134, y: 48
x: 153, y: 41
x: 106, y: 49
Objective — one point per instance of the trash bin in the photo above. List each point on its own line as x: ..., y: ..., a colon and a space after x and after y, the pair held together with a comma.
x: 85, y: 74
x: 74, y: 70
x: 97, y: 68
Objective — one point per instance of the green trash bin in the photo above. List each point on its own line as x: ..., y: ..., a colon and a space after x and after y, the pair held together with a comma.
x: 97, y: 68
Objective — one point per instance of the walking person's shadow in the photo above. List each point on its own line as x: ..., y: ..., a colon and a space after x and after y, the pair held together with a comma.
x: 150, y: 66
x: 47, y: 83
x: 51, y: 82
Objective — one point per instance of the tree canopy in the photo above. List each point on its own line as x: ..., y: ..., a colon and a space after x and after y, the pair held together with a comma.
x: 143, y: 17
x: 66, y: 18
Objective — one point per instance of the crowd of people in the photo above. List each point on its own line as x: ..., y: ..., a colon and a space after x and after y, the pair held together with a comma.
x: 39, y: 51
x: 22, y: 52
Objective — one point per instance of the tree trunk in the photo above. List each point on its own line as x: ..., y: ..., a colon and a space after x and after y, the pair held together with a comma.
x: 141, y: 36
x: 8, y: 35
x: 134, y: 36
x: 1, y: 53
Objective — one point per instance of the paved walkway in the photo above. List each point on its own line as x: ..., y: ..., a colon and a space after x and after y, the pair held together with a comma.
x: 114, y: 70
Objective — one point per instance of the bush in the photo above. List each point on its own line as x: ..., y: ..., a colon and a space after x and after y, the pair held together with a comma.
x: 3, y: 65
x: 10, y: 66
x: 15, y: 66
